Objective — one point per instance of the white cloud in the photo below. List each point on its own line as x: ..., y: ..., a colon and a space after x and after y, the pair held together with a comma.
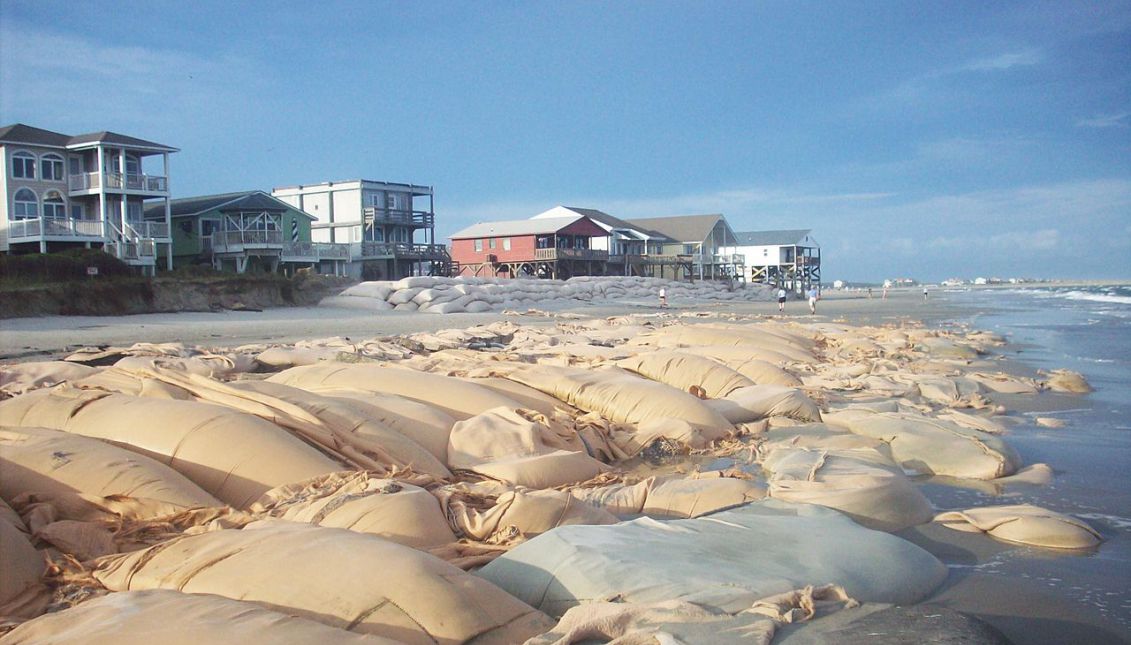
x: 1004, y: 61
x: 1118, y: 120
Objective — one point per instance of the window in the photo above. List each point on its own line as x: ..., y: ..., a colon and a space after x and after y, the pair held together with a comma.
x: 77, y: 211
x: 506, y: 243
x: 478, y: 246
x: 53, y: 205
x: 491, y: 243
x: 26, y: 205
x: 51, y: 168
x: 23, y: 165
x: 391, y: 201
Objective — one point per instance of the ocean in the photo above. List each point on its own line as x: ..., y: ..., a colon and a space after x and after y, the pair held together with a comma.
x: 1087, y: 330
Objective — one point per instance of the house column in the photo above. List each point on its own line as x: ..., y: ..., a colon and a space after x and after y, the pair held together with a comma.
x: 103, y: 216
x: 168, y: 214
x: 122, y: 187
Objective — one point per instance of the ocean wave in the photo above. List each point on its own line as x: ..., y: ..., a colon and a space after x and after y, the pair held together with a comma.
x: 1097, y: 297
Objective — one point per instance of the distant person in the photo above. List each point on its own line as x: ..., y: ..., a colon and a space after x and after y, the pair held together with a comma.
x: 869, y: 293
x: 812, y: 300
x: 924, y: 292
x: 663, y: 298
x: 885, y: 296
x: 781, y: 300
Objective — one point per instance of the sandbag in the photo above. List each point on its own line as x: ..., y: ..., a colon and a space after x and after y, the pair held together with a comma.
x: 372, y: 289
x: 424, y: 424
x: 340, y: 578
x: 548, y: 470
x: 18, y: 378
x: 861, y: 483
x: 726, y: 560
x: 233, y: 456
x: 686, y: 371
x: 503, y: 433
x: 669, y: 496
x: 530, y: 512
x: 617, y: 394
x: 38, y: 460
x: 175, y: 618
x: 21, y: 565
x: 763, y: 401
x: 394, y: 510
x: 760, y: 345
x: 1024, y: 524
x: 458, y: 398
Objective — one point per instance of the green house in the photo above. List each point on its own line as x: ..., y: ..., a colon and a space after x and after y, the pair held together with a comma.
x: 249, y: 231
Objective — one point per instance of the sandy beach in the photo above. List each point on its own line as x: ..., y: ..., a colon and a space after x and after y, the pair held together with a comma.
x: 1014, y: 598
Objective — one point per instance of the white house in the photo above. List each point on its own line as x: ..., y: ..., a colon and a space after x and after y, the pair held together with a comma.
x: 789, y: 258
x: 626, y: 244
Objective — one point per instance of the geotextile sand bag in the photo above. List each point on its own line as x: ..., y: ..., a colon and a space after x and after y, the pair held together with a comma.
x: 667, y: 497
x: 458, y: 398
x: 763, y: 401
x: 726, y: 560
x: 530, y: 512
x: 424, y: 424
x: 504, y: 433
x: 176, y: 618
x: 616, y: 394
x: 357, y: 501
x: 39, y: 460
x: 23, y: 377
x: 686, y: 371
x: 546, y: 470
x: 21, y: 565
x: 340, y: 578
x: 1024, y: 524
x: 755, y: 341
x: 861, y: 483
x: 233, y: 456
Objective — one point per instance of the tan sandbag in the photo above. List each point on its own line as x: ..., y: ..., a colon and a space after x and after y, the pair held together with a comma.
x: 949, y: 391
x: 38, y: 460
x: 1024, y: 524
x: 340, y: 578
x: 668, y: 497
x: 729, y: 354
x: 617, y: 395
x: 861, y: 483
x: 394, y: 510
x: 278, y: 358
x: 701, y: 335
x: 460, y: 399
x: 114, y: 379
x: 1067, y: 381
x: 233, y: 456
x: 935, y: 446
x: 1004, y: 383
x: 210, y: 365
x: 21, y: 567
x: 526, y: 396
x: 947, y: 348
x: 763, y: 401
x: 685, y: 371
x: 549, y: 470
x: 632, y: 440
x: 760, y: 371
x: 352, y: 420
x: 18, y: 378
x: 424, y: 424
x: 530, y: 512
x: 176, y: 618
x: 505, y: 433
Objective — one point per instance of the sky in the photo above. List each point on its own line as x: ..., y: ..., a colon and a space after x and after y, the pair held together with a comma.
x: 916, y: 139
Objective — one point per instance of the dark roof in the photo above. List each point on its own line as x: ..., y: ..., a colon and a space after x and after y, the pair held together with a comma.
x: 251, y: 200
x: 680, y: 228
x: 117, y: 139
x: 601, y: 216
x: 20, y: 133
x: 771, y: 238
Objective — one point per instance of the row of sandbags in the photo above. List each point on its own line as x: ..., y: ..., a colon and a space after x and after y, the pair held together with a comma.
x: 476, y: 295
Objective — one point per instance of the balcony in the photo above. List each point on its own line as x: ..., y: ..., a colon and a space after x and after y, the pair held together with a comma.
x: 570, y: 254
x: 151, y: 230
x: 120, y: 182
x: 314, y: 251
x: 241, y: 241
x: 66, y: 229
x: 707, y: 260
x: 416, y: 219
x: 402, y: 250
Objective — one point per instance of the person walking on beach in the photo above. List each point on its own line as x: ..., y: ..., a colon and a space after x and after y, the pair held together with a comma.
x: 663, y: 298
x: 885, y: 297
x: 869, y: 293
x: 812, y: 300
x: 781, y: 300
x: 924, y: 292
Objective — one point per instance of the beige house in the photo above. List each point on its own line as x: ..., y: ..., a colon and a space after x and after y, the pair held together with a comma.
x: 91, y: 190
x: 699, y: 245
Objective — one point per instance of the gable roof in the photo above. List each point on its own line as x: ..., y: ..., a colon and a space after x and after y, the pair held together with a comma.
x: 250, y: 200
x: 681, y: 228
x: 116, y: 139
x: 772, y: 238
x: 543, y: 226
x: 619, y: 226
x: 20, y: 133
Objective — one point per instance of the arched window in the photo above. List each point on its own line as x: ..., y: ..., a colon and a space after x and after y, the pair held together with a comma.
x: 51, y: 168
x: 26, y: 205
x: 23, y: 165
x: 53, y: 206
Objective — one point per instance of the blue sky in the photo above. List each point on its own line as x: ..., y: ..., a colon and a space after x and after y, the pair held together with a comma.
x: 916, y: 139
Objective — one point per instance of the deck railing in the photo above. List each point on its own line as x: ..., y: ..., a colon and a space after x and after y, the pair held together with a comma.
x: 399, y: 216
x: 236, y: 241
x: 118, y: 181
x: 314, y: 251
x: 399, y: 250
x: 570, y: 254
x: 47, y: 227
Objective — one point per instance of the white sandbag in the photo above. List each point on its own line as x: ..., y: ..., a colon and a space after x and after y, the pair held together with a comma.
x: 1024, y: 524
x: 354, y: 302
x: 763, y: 401
x: 340, y: 578
x: 176, y: 618
x: 726, y: 560
x: 415, y: 282
x: 377, y: 290
x: 18, y: 378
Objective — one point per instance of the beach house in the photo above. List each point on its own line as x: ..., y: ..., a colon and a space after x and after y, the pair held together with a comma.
x: 695, y: 248
x: 549, y: 247
x: 99, y: 190
x: 629, y: 247
x: 249, y: 230
x: 786, y: 258
x: 390, y: 227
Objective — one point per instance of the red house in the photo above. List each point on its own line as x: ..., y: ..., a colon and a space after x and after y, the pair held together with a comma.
x: 554, y: 247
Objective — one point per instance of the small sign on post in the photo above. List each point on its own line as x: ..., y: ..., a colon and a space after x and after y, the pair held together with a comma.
x: 92, y: 271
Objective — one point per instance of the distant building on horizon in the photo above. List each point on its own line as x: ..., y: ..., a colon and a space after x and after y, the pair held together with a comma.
x: 99, y: 190
x: 790, y: 259
x: 390, y: 227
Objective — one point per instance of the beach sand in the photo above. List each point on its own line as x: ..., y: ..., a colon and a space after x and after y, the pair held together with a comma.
x: 1021, y: 608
